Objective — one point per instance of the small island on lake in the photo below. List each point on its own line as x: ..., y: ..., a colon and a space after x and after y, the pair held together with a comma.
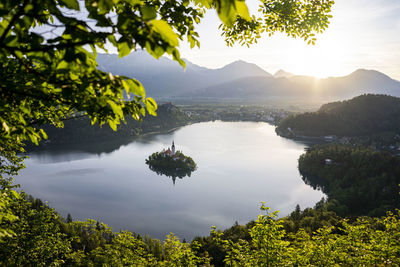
x: 171, y: 163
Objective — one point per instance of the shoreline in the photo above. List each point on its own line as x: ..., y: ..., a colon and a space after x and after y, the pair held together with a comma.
x: 43, y: 145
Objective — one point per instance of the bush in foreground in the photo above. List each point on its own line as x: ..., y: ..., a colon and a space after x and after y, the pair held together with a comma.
x: 40, y: 237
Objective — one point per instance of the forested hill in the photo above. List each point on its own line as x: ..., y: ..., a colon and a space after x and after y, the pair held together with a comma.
x: 360, y: 116
x: 80, y: 130
x: 357, y: 180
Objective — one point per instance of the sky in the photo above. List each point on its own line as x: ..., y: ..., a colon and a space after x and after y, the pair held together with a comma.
x: 362, y: 34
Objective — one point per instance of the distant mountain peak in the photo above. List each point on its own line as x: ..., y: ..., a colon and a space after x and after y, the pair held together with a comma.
x: 281, y: 73
x: 361, y: 71
x: 245, y: 68
x: 368, y: 73
x: 238, y: 63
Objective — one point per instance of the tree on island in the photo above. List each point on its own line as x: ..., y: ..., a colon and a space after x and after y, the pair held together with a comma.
x: 172, y: 164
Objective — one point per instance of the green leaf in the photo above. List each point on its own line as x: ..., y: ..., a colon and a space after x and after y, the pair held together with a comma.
x: 151, y: 106
x: 112, y: 124
x: 5, y: 126
x: 112, y: 40
x: 134, y: 2
x: 43, y: 134
x: 135, y: 87
x: 142, y: 111
x: 15, y: 194
x: 166, y: 32
x: 73, y: 4
x: 116, y: 109
x: 105, y: 6
x: 242, y: 10
x: 11, y: 40
x: 226, y: 12
x: 62, y: 65
x: 123, y: 49
x: 148, y: 12
x: 34, y: 139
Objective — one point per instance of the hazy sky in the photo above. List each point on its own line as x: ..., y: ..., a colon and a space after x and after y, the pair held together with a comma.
x: 362, y: 34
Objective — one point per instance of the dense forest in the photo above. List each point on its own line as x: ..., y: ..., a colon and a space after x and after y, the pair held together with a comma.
x: 357, y: 180
x: 317, y: 237
x: 360, y: 116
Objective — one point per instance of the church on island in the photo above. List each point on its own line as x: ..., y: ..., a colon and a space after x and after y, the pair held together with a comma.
x: 172, y: 163
x: 171, y: 153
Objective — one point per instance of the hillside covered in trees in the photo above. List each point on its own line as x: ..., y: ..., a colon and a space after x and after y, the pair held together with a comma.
x: 80, y: 130
x: 41, y: 237
x: 360, y: 116
x: 357, y: 180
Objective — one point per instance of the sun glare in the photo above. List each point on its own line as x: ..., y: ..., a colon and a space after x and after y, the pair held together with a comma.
x: 324, y: 59
x: 358, y: 37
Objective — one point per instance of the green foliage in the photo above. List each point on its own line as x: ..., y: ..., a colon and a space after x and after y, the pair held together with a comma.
x: 365, y: 242
x: 38, y: 240
x: 180, y: 254
x: 362, y: 115
x: 79, y: 131
x: 359, y: 181
x: 125, y: 250
x: 43, y: 238
x: 214, y: 247
x: 266, y: 247
x: 302, y: 19
x: 311, y: 219
x: 7, y: 216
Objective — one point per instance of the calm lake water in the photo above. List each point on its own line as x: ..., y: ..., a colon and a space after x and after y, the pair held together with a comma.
x: 240, y: 164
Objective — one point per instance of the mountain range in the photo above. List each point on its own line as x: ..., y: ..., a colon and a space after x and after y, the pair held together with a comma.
x: 165, y: 78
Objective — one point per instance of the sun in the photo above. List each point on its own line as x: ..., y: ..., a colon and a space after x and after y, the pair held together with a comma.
x: 328, y: 57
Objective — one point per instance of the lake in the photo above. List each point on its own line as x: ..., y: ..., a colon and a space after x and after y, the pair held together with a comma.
x: 239, y: 164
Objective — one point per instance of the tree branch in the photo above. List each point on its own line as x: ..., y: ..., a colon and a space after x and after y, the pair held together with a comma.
x: 13, y: 19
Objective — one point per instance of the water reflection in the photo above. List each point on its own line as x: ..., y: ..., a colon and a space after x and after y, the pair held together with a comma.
x: 57, y: 153
x: 171, y: 173
x: 79, y: 172
x: 242, y: 163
